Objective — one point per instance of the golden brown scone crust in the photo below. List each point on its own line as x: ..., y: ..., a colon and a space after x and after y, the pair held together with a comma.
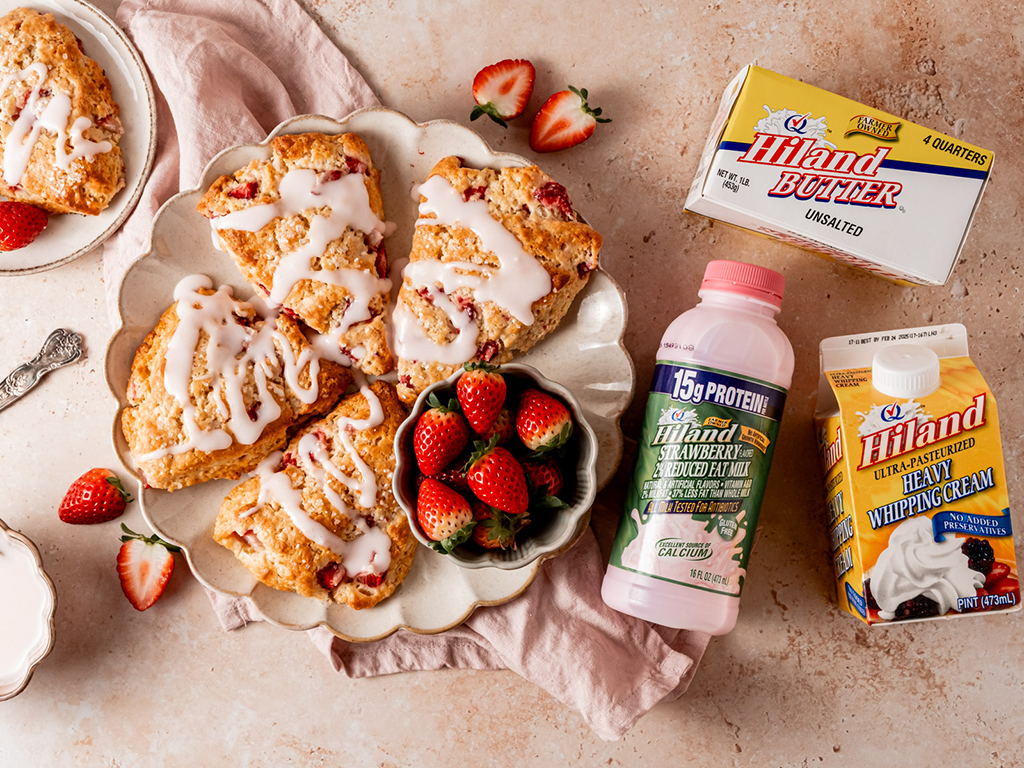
x: 284, y: 558
x: 535, y: 209
x: 319, y: 305
x: 153, y: 417
x: 87, y: 186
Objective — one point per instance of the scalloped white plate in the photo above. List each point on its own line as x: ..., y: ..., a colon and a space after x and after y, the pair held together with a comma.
x: 42, y: 622
x: 585, y: 354
x: 69, y: 236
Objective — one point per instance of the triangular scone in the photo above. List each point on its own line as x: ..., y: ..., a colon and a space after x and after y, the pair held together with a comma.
x: 215, y: 389
x: 59, y: 124
x: 306, y: 228
x: 350, y: 543
x: 497, y: 258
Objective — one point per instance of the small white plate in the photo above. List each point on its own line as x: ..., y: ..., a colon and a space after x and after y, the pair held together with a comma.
x: 40, y: 623
x: 68, y: 236
x: 585, y: 354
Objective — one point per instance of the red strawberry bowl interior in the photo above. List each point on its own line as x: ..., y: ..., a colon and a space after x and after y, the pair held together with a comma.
x: 543, y: 530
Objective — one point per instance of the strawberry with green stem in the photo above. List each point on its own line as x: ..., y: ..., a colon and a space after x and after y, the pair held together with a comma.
x: 543, y: 422
x: 497, y: 478
x: 481, y: 393
x: 95, y: 497
x: 564, y: 121
x: 440, y: 435
x: 501, y: 90
x: 495, y: 529
x: 144, y: 566
x: 444, y: 515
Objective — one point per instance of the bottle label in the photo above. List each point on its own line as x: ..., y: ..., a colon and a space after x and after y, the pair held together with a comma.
x: 701, y: 468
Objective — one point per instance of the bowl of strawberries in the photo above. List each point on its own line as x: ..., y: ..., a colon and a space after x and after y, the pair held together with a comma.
x: 495, y: 467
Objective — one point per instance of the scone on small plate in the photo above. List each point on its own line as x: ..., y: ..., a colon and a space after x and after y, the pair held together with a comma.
x: 59, y: 124
x: 306, y: 229
x: 497, y: 258
x: 216, y: 387
x: 321, y: 519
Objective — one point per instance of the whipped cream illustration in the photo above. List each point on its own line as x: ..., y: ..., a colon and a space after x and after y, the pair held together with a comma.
x: 915, y: 564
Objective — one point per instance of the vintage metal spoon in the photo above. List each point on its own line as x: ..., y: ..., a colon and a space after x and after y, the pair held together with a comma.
x: 60, y: 348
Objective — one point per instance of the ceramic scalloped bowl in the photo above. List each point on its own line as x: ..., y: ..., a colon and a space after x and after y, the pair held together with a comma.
x: 546, y: 538
x: 42, y: 633
x: 585, y: 353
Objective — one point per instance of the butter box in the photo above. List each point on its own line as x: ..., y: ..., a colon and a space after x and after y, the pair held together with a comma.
x: 852, y: 183
x: 915, y: 486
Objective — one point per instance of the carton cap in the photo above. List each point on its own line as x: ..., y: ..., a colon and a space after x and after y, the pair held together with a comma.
x: 905, y: 371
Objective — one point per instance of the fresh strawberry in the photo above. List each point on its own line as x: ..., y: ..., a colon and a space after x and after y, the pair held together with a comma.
x: 544, y: 477
x: 494, y: 529
x: 481, y: 393
x: 501, y: 90
x: 20, y: 224
x: 443, y: 514
x: 543, y: 422
x: 440, y: 435
x: 454, y: 475
x: 564, y: 121
x: 504, y: 427
x: 95, y: 497
x: 497, y: 478
x: 145, y: 565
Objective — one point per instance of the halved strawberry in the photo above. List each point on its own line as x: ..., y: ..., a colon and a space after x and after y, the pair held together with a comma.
x: 543, y: 422
x: 440, y: 435
x: 144, y: 565
x: 501, y: 90
x: 481, y: 393
x: 497, y: 478
x: 20, y: 224
x: 443, y: 514
x: 564, y: 121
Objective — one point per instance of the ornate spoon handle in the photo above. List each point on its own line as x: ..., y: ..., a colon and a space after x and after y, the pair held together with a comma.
x: 60, y: 348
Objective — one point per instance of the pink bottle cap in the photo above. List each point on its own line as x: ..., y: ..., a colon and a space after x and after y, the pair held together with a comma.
x: 745, y: 279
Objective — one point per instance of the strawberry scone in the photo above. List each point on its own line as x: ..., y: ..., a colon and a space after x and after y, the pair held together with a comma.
x: 59, y: 124
x: 497, y: 258
x: 306, y: 229
x: 321, y: 519
x: 215, y: 388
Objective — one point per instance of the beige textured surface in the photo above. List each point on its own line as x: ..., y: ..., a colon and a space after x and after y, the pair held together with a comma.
x: 796, y: 683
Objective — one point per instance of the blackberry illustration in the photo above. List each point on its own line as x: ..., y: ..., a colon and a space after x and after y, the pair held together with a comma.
x: 919, y: 607
x: 979, y: 555
x: 868, y: 596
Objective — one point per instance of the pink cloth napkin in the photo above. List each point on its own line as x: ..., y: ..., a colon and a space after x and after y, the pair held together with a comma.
x: 228, y: 73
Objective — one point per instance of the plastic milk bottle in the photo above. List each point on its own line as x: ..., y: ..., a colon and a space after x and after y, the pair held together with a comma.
x: 713, y: 412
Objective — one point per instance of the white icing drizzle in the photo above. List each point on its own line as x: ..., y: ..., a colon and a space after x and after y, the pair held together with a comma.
x: 519, y: 281
x: 233, y: 352
x: 54, y: 117
x: 370, y: 552
x: 349, y: 205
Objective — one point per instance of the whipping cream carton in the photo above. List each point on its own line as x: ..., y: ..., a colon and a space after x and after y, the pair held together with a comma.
x: 852, y: 183
x: 915, y: 490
